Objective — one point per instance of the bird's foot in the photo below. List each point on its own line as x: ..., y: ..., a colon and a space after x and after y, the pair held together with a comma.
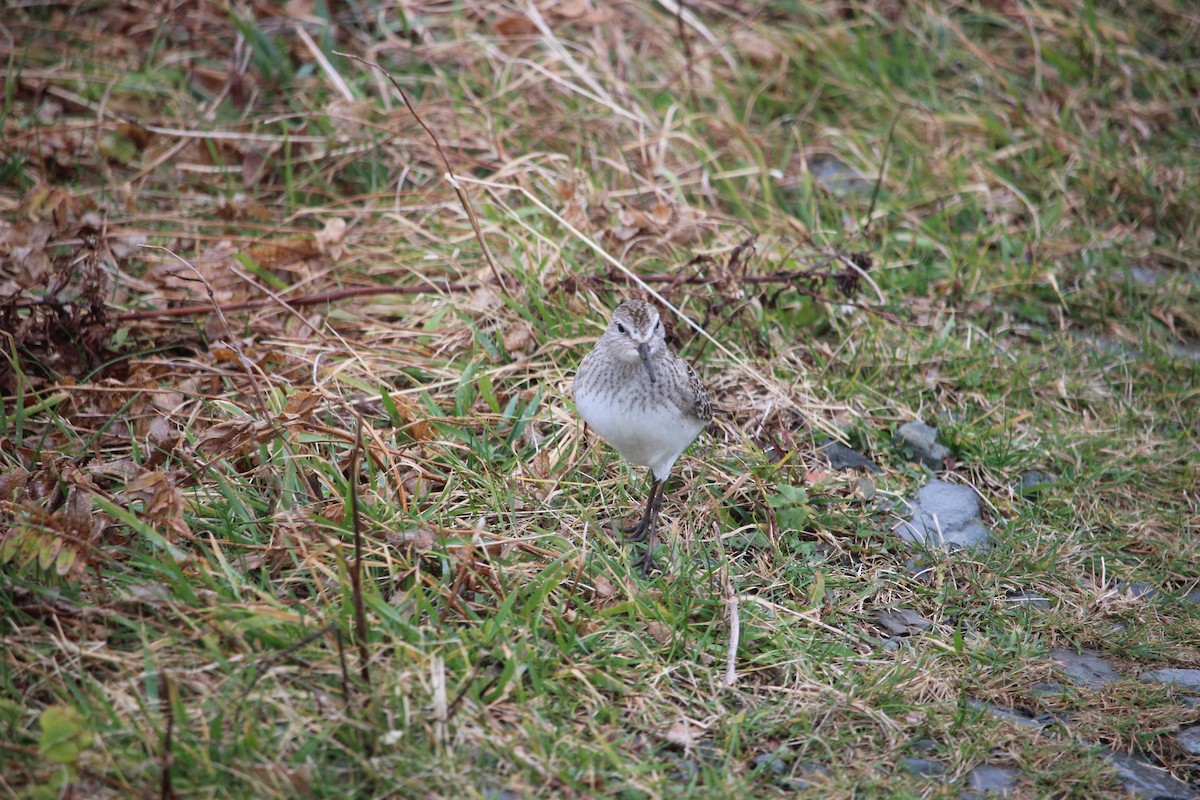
x: 638, y: 531
x: 649, y: 565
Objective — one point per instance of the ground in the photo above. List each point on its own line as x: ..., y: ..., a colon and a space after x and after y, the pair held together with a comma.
x: 295, y: 502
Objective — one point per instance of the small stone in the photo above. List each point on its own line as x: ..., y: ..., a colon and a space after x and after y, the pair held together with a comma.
x: 1193, y: 597
x: 1184, y: 678
x: 924, y: 746
x: 922, y: 767
x: 842, y: 458
x: 1047, y: 688
x: 1138, y: 590
x: 945, y: 515
x: 1023, y: 597
x: 1146, y: 780
x: 492, y: 793
x: 902, y: 621
x: 1191, y: 702
x: 1088, y: 668
x: 1034, y: 482
x: 1051, y: 717
x: 920, y: 568
x: 990, y: 780
x: 832, y: 175
x: 1006, y: 714
x: 1189, y: 739
x: 1188, y: 351
x: 771, y: 762
x: 920, y: 444
x: 809, y: 773
x: 1144, y: 275
x: 686, y: 770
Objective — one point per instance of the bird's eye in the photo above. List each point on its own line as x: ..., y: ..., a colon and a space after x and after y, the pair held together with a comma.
x: 660, y: 327
x: 621, y: 328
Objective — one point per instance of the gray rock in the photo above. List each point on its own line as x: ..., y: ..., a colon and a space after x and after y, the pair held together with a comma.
x: 990, y: 780
x: 1006, y: 714
x: 920, y: 567
x: 920, y: 444
x: 810, y: 773
x: 1138, y: 590
x: 902, y: 621
x: 492, y: 793
x: 1088, y: 668
x: 1189, y: 351
x: 1189, y: 739
x: 1047, y: 688
x: 1051, y: 717
x: 1193, y: 597
x: 1146, y: 780
x: 1184, y: 678
x: 1191, y: 702
x: 1023, y: 597
x: 771, y: 762
x: 832, y: 175
x: 924, y: 746
x: 945, y: 515
x: 922, y: 767
x: 1035, y: 481
x: 1145, y: 275
x: 841, y: 457
x: 686, y: 770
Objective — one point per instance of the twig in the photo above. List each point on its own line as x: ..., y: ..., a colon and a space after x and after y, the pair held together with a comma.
x: 341, y: 650
x: 306, y: 300
x: 166, y: 791
x: 450, y: 176
x: 247, y: 364
x: 360, y: 616
x: 687, y: 51
x: 735, y: 626
x: 887, y: 149
x: 788, y: 278
x: 717, y: 45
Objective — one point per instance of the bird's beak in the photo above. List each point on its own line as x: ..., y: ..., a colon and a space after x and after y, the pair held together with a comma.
x: 644, y: 352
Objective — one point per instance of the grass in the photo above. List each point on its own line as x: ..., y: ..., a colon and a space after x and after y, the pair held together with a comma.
x: 178, y: 491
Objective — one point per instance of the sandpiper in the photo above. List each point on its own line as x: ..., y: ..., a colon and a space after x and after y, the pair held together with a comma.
x: 644, y: 400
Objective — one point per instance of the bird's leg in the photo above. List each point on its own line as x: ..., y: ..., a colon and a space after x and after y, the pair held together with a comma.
x: 637, y: 533
x: 656, y: 494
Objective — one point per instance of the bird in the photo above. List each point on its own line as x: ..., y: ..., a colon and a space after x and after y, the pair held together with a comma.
x: 644, y: 400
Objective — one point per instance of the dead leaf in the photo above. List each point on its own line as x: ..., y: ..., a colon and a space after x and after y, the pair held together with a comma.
x: 421, y: 540
x: 162, y: 502
x: 756, y: 49
x: 659, y: 631
x: 331, y: 239
x: 603, y: 588
x: 685, y: 734
x: 232, y: 435
x: 12, y: 483
x: 162, y: 439
x: 412, y: 420
x: 301, y: 405
x: 519, y: 338
x: 483, y: 299
x: 575, y: 215
x: 514, y: 26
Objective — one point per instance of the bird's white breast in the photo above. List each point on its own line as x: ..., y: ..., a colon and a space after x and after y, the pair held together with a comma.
x: 643, y: 432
